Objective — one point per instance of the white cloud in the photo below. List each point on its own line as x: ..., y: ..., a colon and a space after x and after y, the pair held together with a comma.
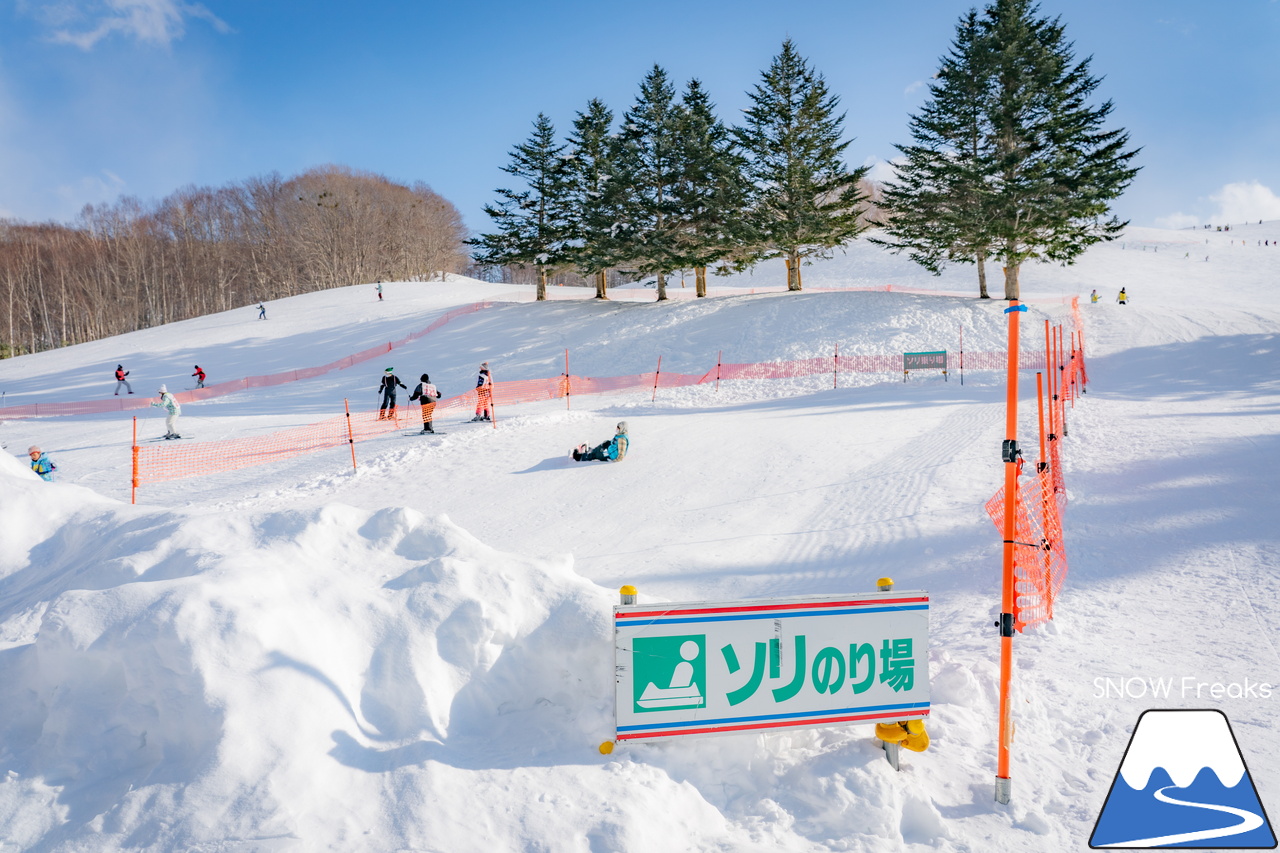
x: 1175, y: 221
x: 1244, y: 202
x: 1238, y: 203
x: 84, y: 23
x: 914, y: 87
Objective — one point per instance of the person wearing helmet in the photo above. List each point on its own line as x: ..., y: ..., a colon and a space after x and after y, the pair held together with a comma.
x: 199, y: 375
x: 172, y: 410
x: 613, y: 450
x: 41, y: 464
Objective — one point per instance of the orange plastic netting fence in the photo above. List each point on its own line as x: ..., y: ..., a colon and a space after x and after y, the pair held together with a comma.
x: 1039, y: 552
x: 124, y: 404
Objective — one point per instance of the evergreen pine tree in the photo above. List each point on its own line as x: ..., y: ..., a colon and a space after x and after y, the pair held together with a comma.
x: 710, y: 192
x: 936, y: 199
x: 1054, y: 169
x: 590, y: 166
x: 639, y: 194
x: 533, y: 223
x: 804, y: 199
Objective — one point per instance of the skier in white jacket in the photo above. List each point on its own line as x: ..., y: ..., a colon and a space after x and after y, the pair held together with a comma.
x: 172, y: 410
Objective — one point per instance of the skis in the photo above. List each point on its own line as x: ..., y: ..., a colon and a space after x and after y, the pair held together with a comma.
x: 420, y: 432
x: 168, y: 437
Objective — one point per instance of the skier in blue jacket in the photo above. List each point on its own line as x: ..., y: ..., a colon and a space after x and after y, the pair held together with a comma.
x: 613, y: 450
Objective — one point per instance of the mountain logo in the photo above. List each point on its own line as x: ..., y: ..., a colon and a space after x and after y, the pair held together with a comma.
x: 1183, y: 783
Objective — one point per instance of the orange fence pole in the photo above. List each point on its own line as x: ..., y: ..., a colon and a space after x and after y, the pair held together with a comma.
x: 1048, y: 366
x: 566, y: 378
x: 351, y: 437
x: 1062, y: 389
x: 1011, y: 456
x: 1044, y: 460
x: 835, y: 375
x: 656, y: 374
x: 133, y: 493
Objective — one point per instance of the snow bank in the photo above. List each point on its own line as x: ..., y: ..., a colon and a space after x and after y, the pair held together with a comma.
x: 191, y: 679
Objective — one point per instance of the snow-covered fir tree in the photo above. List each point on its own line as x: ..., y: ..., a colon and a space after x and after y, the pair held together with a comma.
x: 936, y: 199
x: 804, y: 199
x: 1033, y: 176
x: 589, y: 171
x: 532, y: 223
x: 646, y: 169
x: 710, y: 192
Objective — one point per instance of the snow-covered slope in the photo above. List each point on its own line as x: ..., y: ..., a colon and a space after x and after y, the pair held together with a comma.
x: 415, y: 655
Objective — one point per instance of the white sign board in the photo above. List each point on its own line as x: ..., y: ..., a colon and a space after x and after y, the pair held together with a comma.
x: 714, y: 668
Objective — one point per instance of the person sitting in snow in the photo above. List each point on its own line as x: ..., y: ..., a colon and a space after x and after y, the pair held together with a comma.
x: 172, y: 410
x: 41, y: 464
x: 1093, y: 297
x: 613, y: 450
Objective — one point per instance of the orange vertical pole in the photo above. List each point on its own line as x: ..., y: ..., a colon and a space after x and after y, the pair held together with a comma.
x: 1048, y: 367
x: 566, y: 378
x: 1062, y: 389
x: 351, y: 436
x: 1071, y: 370
x: 1010, y: 455
x: 133, y: 492
x: 656, y: 374
x: 835, y: 373
x: 1044, y: 459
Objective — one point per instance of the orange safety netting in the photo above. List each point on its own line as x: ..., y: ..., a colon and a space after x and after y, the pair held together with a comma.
x: 1039, y: 553
x: 123, y: 404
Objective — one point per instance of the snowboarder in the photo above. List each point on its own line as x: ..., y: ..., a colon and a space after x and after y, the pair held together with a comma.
x: 172, y: 410
x: 1093, y: 297
x: 427, y: 394
x: 1123, y: 298
x: 199, y: 375
x: 262, y: 311
x: 41, y: 464
x: 379, y: 291
x: 388, y: 388
x: 484, y: 394
x: 121, y: 373
x: 613, y: 450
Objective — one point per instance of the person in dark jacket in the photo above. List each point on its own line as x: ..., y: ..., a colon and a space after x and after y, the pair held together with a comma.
x: 199, y: 375
x: 613, y: 450
x: 388, y: 389
x: 121, y: 373
x: 427, y: 394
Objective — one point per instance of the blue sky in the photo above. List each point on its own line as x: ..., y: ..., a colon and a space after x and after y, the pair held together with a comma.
x: 100, y: 98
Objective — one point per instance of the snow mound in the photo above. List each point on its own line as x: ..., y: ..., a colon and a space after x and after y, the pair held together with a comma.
x: 204, y: 678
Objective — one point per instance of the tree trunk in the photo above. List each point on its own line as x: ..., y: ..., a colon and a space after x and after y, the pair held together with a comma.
x: 982, y: 278
x: 700, y: 281
x: 602, y: 284
x: 1011, y: 282
x: 662, y: 287
x: 542, y: 284
x: 793, y: 270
